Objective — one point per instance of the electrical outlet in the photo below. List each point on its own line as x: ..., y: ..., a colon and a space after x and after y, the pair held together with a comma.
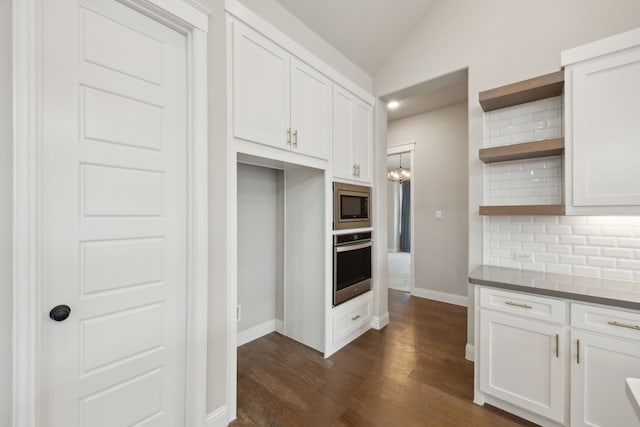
x: 522, y: 256
x: 238, y: 312
x: 438, y: 215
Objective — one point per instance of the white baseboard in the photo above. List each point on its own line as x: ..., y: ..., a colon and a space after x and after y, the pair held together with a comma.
x: 279, y: 326
x: 469, y: 352
x: 440, y: 296
x: 217, y: 418
x: 380, y: 322
x: 256, y: 332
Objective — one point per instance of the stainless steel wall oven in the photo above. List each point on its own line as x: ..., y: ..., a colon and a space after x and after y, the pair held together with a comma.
x: 351, y: 266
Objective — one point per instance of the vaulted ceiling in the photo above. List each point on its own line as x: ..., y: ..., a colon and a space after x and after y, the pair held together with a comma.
x: 365, y: 31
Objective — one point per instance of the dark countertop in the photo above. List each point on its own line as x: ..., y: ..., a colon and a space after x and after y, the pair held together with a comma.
x: 616, y: 293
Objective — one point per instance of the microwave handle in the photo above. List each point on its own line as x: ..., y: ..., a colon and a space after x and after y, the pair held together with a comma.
x: 355, y: 247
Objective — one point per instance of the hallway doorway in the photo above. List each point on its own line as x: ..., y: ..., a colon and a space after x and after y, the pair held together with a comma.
x: 400, y: 229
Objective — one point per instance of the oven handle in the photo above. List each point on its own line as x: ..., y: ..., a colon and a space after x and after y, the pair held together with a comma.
x: 355, y: 247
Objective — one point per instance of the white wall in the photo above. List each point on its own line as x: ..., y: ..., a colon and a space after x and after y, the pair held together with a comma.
x: 6, y: 302
x: 393, y: 215
x: 258, y: 244
x: 219, y: 177
x: 272, y: 12
x: 501, y: 41
x: 439, y: 177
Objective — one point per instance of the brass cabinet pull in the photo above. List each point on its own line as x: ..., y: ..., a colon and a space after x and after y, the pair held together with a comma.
x: 557, y: 345
x: 518, y: 305
x: 578, y: 351
x: 356, y: 317
x: 624, y: 325
x: 295, y: 138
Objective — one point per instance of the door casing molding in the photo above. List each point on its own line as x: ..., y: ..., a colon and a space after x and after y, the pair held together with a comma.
x: 27, y: 61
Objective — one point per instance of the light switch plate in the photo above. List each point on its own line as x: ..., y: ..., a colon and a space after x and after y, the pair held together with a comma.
x: 438, y: 215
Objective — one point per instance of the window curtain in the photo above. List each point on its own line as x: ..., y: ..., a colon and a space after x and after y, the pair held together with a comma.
x: 405, y: 218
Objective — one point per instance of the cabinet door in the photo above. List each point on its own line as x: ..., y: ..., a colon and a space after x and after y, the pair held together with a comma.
x: 363, y: 141
x: 310, y: 110
x: 523, y: 363
x: 598, y: 396
x: 604, y: 132
x: 343, y: 111
x: 260, y: 88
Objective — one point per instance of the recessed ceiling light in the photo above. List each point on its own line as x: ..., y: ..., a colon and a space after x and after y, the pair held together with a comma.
x: 393, y: 105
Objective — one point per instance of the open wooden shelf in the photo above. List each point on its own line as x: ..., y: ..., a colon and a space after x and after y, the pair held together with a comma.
x: 530, y: 90
x: 526, y: 150
x: 523, y: 210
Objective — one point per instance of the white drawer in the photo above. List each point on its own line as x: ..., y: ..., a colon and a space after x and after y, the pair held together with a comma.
x: 526, y: 305
x: 610, y: 321
x: 347, y: 320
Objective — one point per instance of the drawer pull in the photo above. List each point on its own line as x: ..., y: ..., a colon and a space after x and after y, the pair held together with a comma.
x: 557, y: 345
x: 518, y: 305
x: 624, y: 325
x: 356, y: 317
x: 578, y: 351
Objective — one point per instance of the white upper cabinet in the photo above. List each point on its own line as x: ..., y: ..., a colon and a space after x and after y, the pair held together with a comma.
x: 602, y: 135
x: 278, y: 100
x: 260, y: 89
x: 310, y: 110
x: 352, y: 136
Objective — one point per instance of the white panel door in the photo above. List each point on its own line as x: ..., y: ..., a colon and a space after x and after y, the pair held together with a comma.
x: 114, y: 229
x: 343, y: 116
x: 260, y: 89
x: 310, y: 110
x: 605, y: 99
x: 523, y: 363
x: 362, y: 140
x: 598, y: 396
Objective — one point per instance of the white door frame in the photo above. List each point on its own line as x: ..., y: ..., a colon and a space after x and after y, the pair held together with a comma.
x: 27, y: 202
x: 409, y: 147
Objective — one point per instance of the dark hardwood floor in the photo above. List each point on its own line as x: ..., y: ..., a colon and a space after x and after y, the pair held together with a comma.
x: 411, y: 373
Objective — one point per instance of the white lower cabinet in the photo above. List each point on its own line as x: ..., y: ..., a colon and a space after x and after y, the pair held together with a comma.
x: 605, y: 350
x: 524, y: 363
x: 350, y: 319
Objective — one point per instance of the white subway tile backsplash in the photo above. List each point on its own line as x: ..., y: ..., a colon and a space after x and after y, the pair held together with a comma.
x: 547, y: 238
x: 558, y: 229
x: 618, y: 252
x: 559, y: 249
x: 586, y: 250
x: 629, y: 242
x: 601, y: 262
x: 573, y: 259
x: 585, y: 246
x: 601, y: 241
x: 586, y: 230
x: 631, y: 264
x: 573, y: 240
x: 543, y: 257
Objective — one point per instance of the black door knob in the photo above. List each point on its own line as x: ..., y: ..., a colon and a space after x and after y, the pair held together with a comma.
x: 60, y: 312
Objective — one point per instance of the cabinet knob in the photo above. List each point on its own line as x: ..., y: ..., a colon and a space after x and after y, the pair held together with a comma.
x: 60, y: 313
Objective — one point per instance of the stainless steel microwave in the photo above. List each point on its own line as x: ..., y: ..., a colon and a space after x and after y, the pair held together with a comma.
x: 351, y: 206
